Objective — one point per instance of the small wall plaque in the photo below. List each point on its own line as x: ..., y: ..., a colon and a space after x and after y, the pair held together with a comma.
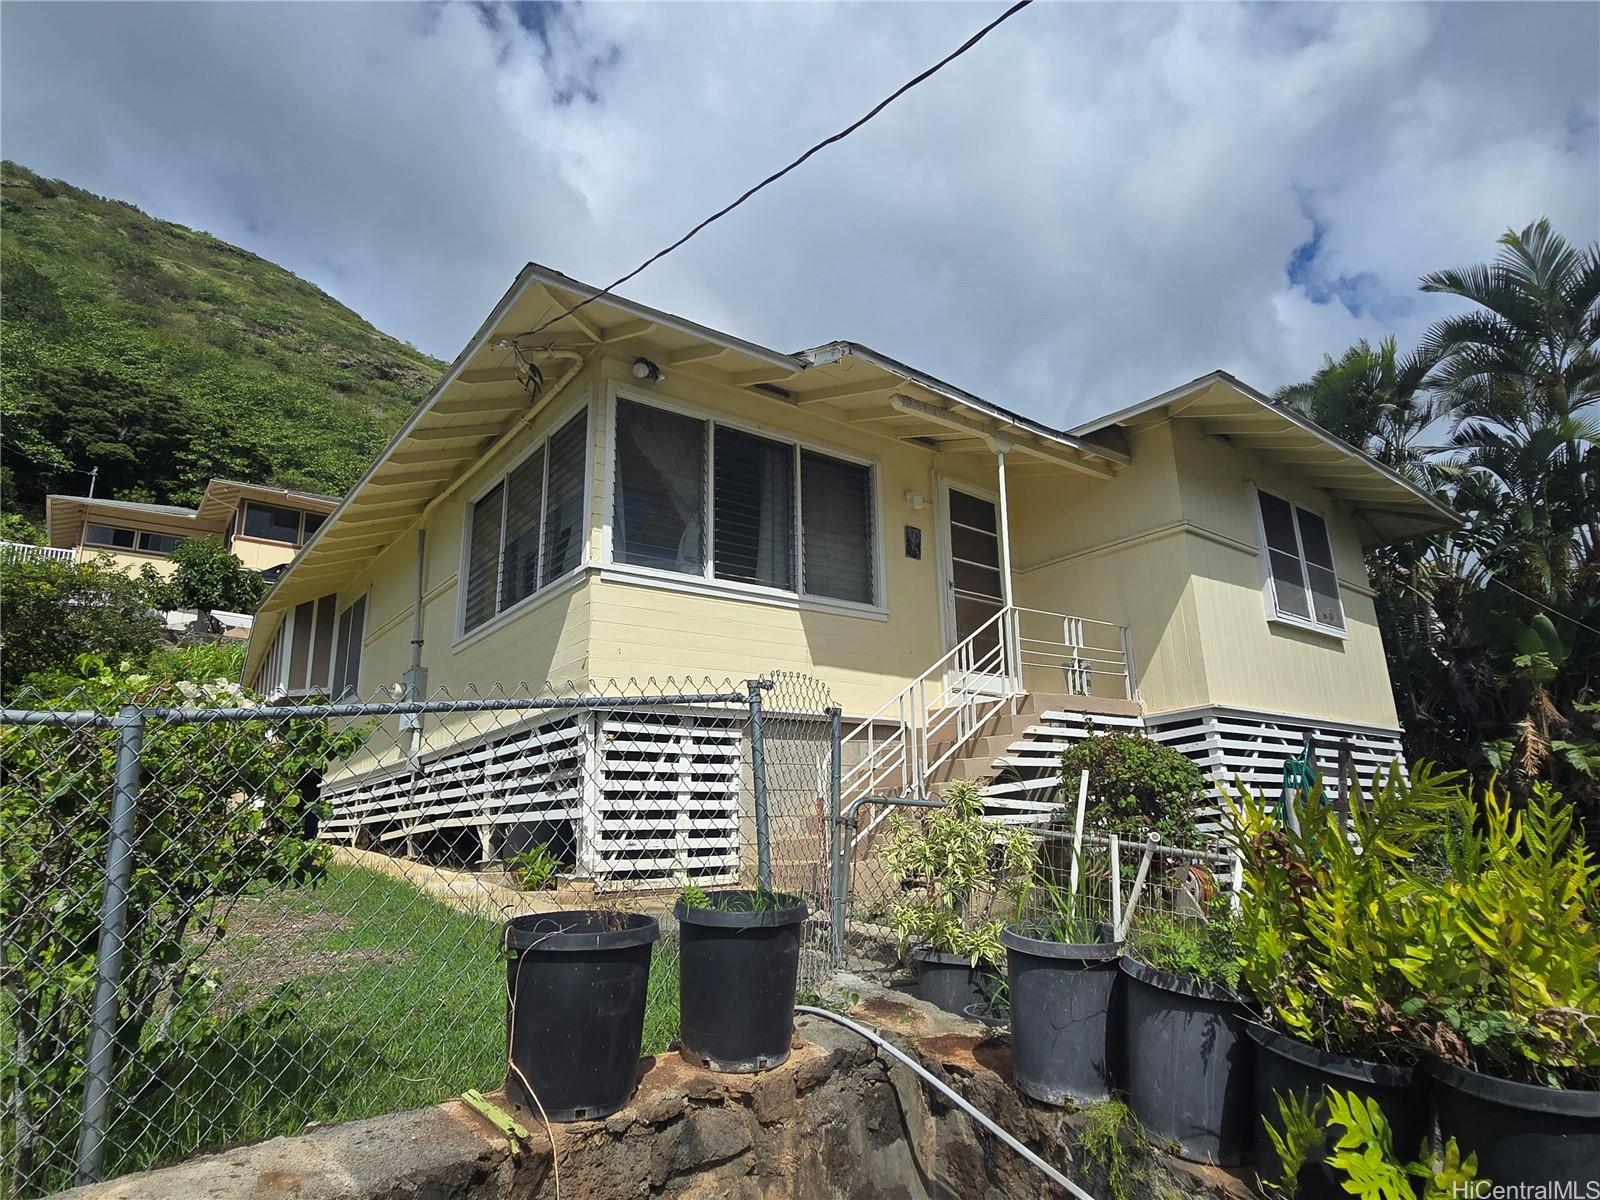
x: 913, y: 542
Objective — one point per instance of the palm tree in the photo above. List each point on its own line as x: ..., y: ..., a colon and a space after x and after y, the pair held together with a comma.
x: 1535, y: 329
x: 1375, y: 400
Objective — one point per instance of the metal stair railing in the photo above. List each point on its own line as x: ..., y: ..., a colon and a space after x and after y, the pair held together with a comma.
x: 976, y: 679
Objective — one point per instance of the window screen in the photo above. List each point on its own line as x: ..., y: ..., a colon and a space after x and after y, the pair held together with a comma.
x: 1305, y: 584
x: 1325, y: 606
x: 300, y: 645
x: 519, y: 569
x: 108, y: 535
x: 660, y: 489
x: 564, y: 523
x: 271, y: 523
x: 347, y: 670
x: 836, y: 518
x: 753, y: 524
x: 313, y: 522
x: 322, y: 647
x: 483, y: 556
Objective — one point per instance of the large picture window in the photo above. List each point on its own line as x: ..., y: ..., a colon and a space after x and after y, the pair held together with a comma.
x: 527, y: 530
x: 1305, y: 585
x: 778, y: 516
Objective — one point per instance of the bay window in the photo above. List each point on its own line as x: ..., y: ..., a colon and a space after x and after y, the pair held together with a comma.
x: 766, y: 513
x: 527, y: 530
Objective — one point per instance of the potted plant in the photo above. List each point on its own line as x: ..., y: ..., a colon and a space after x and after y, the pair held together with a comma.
x: 1061, y: 974
x: 1319, y: 926
x: 576, y: 986
x: 1190, y: 1064
x: 1506, y: 970
x: 956, y: 870
x: 736, y: 982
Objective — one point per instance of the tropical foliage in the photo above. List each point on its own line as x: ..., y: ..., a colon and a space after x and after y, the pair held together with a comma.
x: 960, y: 873
x: 165, y: 357
x: 1137, y: 786
x: 1360, y: 1147
x: 222, y: 808
x: 1445, y: 921
x: 51, y: 612
x: 1493, y: 631
x: 207, y: 575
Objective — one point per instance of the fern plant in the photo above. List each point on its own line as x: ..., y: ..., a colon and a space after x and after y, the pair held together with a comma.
x: 1361, y: 1149
x: 958, y: 870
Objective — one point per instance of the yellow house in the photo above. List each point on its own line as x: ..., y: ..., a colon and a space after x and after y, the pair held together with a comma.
x: 619, y: 493
x: 264, y: 526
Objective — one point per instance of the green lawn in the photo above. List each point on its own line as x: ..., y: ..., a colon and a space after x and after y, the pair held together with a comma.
x: 357, y: 997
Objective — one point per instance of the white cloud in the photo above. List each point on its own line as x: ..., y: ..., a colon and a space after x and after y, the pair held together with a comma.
x: 1096, y: 203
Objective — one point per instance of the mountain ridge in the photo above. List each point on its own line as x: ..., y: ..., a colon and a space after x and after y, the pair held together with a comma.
x: 166, y: 356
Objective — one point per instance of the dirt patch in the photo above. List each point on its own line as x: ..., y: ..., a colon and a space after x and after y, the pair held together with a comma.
x: 883, y: 1012
x: 968, y: 1053
x: 269, y: 944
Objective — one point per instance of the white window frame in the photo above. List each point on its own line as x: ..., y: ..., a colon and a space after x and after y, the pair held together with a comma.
x: 706, y: 583
x: 566, y: 579
x: 1269, y: 589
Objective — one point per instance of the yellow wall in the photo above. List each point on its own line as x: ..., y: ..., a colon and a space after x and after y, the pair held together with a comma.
x: 131, y: 561
x: 1167, y: 547
x: 258, y: 555
x: 1253, y: 662
x: 607, y: 627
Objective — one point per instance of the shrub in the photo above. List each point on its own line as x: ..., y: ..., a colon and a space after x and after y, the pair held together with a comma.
x: 1137, y: 786
x: 957, y: 868
x: 1205, y: 949
x: 1445, y: 923
x: 209, y: 576
x: 222, y: 808
x: 52, y: 612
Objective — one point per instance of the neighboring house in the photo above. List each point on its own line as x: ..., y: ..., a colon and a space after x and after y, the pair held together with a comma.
x: 264, y: 526
x: 626, y: 494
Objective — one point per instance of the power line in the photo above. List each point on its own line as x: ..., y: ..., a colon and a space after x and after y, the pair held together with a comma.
x: 1554, y: 612
x: 777, y: 175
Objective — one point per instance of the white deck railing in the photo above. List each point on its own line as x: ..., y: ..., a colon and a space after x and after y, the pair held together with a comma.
x: 933, y: 719
x: 23, y: 552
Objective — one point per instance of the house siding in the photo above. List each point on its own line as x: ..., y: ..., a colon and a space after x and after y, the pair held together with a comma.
x: 1252, y: 662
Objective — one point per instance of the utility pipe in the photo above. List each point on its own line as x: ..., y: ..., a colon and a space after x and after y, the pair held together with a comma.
x: 950, y: 1094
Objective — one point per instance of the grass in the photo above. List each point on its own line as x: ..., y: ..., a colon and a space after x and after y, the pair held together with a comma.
x: 357, y: 997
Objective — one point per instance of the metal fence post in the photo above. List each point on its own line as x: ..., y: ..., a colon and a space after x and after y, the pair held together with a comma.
x: 129, y: 724
x: 758, y: 781
x: 836, y: 876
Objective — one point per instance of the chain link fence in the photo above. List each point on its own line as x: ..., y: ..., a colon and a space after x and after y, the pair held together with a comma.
x: 1126, y: 882
x: 227, y: 920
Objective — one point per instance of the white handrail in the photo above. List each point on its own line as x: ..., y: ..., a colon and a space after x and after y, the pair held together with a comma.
x: 933, y: 719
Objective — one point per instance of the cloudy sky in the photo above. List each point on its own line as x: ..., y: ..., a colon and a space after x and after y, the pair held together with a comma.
x: 1097, y: 203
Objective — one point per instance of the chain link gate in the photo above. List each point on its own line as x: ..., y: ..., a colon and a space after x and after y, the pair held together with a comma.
x: 226, y: 920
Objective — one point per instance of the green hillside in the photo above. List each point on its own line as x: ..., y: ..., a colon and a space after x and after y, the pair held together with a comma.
x: 165, y: 357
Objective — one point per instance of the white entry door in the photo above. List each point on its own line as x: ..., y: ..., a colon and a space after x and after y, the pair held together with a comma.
x: 973, y: 591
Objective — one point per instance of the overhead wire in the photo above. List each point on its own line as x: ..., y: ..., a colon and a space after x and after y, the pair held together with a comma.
x: 920, y: 77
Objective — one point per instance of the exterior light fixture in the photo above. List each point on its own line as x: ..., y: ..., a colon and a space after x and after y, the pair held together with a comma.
x: 643, y: 368
x: 914, y: 500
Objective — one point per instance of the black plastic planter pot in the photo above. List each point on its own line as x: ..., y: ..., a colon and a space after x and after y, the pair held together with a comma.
x: 736, y: 981
x: 578, y: 983
x: 1285, y: 1066
x: 951, y: 982
x: 1191, y: 1067
x: 1061, y: 1004
x: 1524, y: 1135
